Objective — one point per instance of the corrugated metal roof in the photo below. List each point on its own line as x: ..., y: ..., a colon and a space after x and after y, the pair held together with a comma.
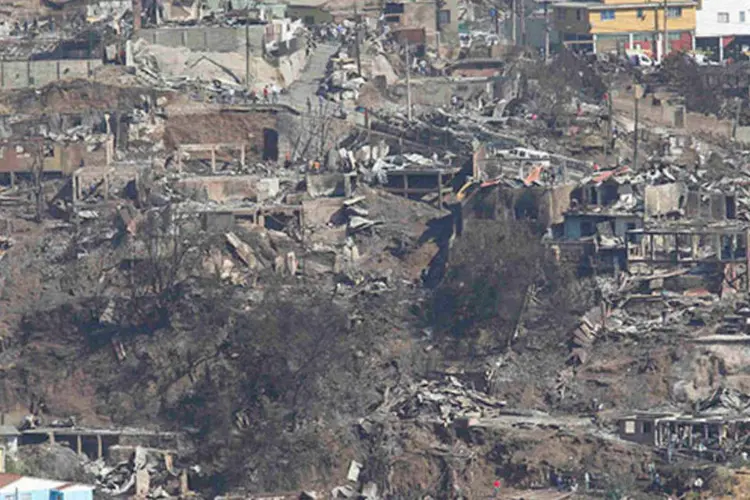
x: 6, y: 479
x: 74, y: 487
x: 22, y: 483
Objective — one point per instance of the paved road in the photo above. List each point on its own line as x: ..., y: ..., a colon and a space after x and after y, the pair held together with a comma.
x: 309, y: 81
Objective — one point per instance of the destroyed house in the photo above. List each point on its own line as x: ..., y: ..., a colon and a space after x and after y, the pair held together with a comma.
x: 696, y: 434
x: 606, y: 207
x: 687, y: 243
x: 58, y: 158
x: 505, y: 200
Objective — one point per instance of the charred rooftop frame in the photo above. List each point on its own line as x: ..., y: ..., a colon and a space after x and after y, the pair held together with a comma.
x: 688, y: 247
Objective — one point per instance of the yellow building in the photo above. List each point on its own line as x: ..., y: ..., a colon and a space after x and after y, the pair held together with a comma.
x: 619, y: 25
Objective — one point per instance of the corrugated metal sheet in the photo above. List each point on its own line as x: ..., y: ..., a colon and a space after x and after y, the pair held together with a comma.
x: 15, y: 51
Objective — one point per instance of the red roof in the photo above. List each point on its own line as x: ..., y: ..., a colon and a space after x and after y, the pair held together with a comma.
x: 6, y: 479
x: 534, y: 175
x: 609, y: 173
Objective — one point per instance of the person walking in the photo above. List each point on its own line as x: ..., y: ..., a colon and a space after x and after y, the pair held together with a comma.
x: 309, y: 106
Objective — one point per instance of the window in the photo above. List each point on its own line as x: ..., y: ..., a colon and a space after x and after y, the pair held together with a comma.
x: 673, y: 12
x: 579, y: 14
x: 640, y: 14
x: 393, y: 8
x: 561, y: 14
x: 647, y: 427
x: 607, y: 15
x: 723, y: 17
x: 393, y: 19
x: 444, y: 17
x: 742, y: 16
x: 629, y: 427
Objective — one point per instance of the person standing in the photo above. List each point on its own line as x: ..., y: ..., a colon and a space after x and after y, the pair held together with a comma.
x: 265, y: 94
x: 309, y: 106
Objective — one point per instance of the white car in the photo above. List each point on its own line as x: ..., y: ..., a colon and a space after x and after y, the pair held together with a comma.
x: 522, y: 154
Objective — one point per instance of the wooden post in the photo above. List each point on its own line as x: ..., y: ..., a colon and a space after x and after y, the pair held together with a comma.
x: 213, y: 159
x: 79, y: 444
x: 406, y: 185
x: 242, y: 154
x: 99, y: 447
x: 653, y: 248
x: 638, y: 94
x: 440, y: 190
x: 51, y: 436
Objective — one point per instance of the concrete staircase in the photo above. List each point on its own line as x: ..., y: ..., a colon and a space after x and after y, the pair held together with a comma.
x: 310, y: 79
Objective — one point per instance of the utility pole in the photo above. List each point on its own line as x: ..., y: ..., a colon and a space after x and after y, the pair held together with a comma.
x: 736, y: 120
x: 546, y: 30
x: 637, y: 93
x: 408, y: 82
x: 247, y: 50
x: 356, y: 39
x: 655, y: 41
x: 522, y: 21
x: 513, y: 21
x: 666, y: 33
x: 609, y: 146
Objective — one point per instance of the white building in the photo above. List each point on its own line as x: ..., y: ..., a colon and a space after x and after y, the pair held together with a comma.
x: 723, y: 27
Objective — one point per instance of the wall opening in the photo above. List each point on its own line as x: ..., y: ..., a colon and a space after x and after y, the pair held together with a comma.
x: 270, y: 144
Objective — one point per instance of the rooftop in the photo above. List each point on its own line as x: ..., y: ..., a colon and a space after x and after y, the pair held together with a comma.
x: 634, y: 5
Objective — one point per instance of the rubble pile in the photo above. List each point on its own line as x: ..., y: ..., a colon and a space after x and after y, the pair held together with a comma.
x: 343, y: 81
x: 148, y: 474
x: 444, y: 401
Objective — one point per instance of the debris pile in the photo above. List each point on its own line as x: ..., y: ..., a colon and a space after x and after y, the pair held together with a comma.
x: 147, y: 474
x: 443, y: 401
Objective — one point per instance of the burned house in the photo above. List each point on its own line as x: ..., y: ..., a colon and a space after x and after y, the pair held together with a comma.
x: 719, y: 429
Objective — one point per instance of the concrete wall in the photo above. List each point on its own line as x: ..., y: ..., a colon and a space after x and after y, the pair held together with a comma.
x: 206, y: 38
x: 743, y: 134
x: 222, y: 188
x: 663, y: 199
x: 639, y: 432
x: 438, y: 91
x: 574, y: 224
x: 707, y: 21
x: 22, y: 74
